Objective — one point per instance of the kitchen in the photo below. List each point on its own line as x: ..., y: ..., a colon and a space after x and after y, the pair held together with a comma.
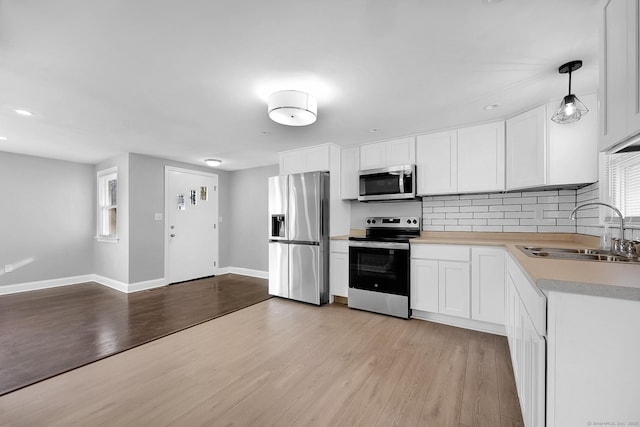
x: 469, y: 204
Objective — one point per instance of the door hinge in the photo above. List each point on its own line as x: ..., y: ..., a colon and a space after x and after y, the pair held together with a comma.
x: 215, y: 188
x: 214, y: 263
x: 214, y: 226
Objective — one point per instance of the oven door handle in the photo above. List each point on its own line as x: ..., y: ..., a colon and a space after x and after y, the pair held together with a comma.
x: 379, y: 245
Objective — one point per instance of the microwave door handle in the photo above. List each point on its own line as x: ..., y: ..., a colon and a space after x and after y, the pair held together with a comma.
x: 401, y: 179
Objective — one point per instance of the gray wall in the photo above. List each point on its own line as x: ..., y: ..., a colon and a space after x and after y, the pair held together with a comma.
x: 249, y: 225
x: 46, y: 216
x: 146, y: 197
x: 111, y: 259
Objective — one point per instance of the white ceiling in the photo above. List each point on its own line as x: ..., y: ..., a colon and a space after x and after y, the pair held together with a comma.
x: 187, y: 79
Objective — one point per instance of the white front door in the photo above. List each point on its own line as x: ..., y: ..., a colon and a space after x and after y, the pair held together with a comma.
x: 191, y: 200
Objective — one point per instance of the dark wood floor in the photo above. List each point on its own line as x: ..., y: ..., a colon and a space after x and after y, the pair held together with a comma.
x: 44, y: 333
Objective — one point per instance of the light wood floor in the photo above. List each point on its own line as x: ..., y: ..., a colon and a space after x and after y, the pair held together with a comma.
x: 285, y: 363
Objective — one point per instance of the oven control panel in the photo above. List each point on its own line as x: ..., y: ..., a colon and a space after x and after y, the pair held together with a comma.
x: 410, y: 222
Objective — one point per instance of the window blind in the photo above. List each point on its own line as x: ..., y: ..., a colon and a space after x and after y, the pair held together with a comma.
x: 623, y: 173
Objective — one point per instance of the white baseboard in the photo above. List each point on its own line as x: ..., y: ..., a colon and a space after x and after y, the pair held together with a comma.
x: 147, y: 284
x: 115, y: 284
x: 475, y: 325
x: 45, y: 284
x: 244, y: 272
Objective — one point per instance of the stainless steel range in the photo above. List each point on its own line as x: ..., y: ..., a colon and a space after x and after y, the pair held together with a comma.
x: 379, y: 265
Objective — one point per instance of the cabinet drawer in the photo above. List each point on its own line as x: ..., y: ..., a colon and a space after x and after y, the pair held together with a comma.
x: 441, y: 252
x: 341, y: 246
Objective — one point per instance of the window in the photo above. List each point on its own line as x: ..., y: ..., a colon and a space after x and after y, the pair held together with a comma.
x: 622, y: 172
x: 108, y: 204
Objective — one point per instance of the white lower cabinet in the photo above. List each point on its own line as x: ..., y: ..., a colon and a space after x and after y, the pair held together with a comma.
x: 487, y: 284
x: 339, y: 268
x: 454, y: 291
x: 460, y: 281
x: 524, y: 306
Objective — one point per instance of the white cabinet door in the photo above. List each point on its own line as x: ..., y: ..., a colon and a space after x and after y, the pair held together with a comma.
x: 437, y: 163
x: 290, y: 162
x: 454, y: 291
x: 615, y: 81
x: 633, y: 75
x: 339, y: 273
x: 573, y: 147
x: 401, y: 152
x: 424, y: 285
x: 350, y: 164
x: 315, y: 159
x: 526, y: 149
x: 373, y: 156
x: 481, y: 158
x: 487, y: 284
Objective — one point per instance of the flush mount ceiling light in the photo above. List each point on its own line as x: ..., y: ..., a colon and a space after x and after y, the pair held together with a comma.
x: 213, y: 162
x: 292, y: 108
x: 3, y: 138
x: 571, y: 108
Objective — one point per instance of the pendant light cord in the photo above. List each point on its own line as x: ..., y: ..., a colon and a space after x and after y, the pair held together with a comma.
x: 569, y: 81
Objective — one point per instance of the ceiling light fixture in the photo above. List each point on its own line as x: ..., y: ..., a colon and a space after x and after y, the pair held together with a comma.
x: 571, y: 108
x: 491, y: 106
x: 213, y: 162
x: 3, y: 138
x: 24, y: 112
x: 292, y: 108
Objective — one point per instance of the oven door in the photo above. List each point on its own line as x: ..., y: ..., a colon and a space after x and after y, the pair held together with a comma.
x: 379, y: 267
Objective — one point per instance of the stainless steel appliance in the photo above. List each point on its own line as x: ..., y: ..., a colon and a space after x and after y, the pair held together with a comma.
x: 299, y: 237
x: 379, y: 266
x: 392, y: 183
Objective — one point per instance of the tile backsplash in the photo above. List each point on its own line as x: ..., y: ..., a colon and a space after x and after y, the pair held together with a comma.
x: 527, y: 211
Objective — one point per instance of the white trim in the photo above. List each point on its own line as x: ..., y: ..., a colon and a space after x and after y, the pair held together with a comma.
x: 45, y: 284
x: 475, y: 325
x: 110, y: 283
x: 115, y: 284
x: 244, y: 272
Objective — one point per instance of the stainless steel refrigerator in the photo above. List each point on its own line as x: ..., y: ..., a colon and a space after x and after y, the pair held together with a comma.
x: 299, y: 237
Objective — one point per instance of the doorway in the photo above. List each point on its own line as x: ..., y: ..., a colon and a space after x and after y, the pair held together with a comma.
x: 191, y: 226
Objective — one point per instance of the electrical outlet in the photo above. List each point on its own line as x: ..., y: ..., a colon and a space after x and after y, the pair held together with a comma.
x: 157, y: 217
x: 8, y: 268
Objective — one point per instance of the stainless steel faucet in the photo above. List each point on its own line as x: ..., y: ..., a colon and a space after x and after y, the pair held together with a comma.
x: 573, y: 214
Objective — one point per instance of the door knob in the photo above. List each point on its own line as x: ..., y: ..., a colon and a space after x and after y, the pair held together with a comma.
x: 172, y: 235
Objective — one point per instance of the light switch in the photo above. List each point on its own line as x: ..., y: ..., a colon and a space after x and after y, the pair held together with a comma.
x: 157, y: 217
x: 220, y: 220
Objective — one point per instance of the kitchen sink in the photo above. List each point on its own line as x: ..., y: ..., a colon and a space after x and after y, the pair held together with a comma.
x: 576, y: 254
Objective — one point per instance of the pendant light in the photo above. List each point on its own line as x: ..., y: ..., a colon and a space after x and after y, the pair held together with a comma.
x: 571, y: 108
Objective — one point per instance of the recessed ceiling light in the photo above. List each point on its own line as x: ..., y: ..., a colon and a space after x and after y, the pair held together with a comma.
x: 491, y: 106
x: 374, y: 130
x: 265, y: 133
x: 3, y: 138
x: 23, y: 112
x: 213, y: 162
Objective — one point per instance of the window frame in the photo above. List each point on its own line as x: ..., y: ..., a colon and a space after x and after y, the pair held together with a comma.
x: 607, y: 217
x: 102, y: 178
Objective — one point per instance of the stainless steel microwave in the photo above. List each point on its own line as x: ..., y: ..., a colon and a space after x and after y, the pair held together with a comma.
x: 392, y: 183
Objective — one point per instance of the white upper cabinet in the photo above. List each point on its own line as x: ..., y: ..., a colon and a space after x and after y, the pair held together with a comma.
x: 350, y: 165
x: 389, y: 153
x: 465, y: 160
x: 310, y: 159
x: 541, y: 152
x: 481, y: 158
x: 620, y: 74
x: 290, y: 162
x: 437, y: 163
x: 573, y: 147
x: 526, y: 154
